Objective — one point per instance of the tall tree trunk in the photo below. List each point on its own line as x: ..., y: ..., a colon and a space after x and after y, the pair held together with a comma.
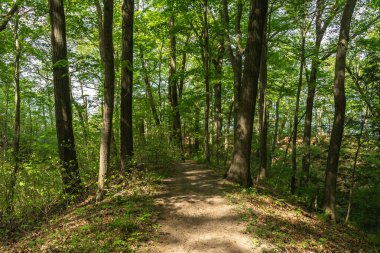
x: 295, y: 122
x: 240, y: 168
x: 173, y: 90
x: 236, y: 58
x: 126, y: 127
x: 183, y: 69
x: 196, y: 130
x: 5, y: 131
x: 109, y: 94
x: 320, y: 29
x: 263, y: 113
x: 218, y: 63
x: 207, y: 80
x: 149, y: 89
x: 340, y: 110
x: 160, y: 83
x: 63, y: 113
x: 289, y: 141
x: 78, y: 108
x: 354, y: 167
x: 16, y: 143
x: 275, y: 132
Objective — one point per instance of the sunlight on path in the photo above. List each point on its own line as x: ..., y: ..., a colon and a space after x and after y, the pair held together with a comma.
x: 196, y: 217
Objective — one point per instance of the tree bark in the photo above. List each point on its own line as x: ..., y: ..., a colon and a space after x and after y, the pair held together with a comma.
x: 126, y: 126
x: 218, y: 120
x: 240, y: 170
x: 183, y: 69
x: 295, y: 122
x: 263, y: 113
x: 109, y: 88
x: 173, y: 90
x: 339, y: 114
x: 275, y: 132
x: 63, y: 112
x: 196, y: 130
x: 207, y: 80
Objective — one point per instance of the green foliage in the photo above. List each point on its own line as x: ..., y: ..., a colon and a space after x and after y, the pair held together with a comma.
x: 154, y: 149
x: 38, y: 189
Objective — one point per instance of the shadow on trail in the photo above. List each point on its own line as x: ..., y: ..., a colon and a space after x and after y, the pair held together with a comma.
x: 195, y: 215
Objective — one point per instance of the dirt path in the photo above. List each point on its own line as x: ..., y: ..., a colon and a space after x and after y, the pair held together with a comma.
x: 196, y: 217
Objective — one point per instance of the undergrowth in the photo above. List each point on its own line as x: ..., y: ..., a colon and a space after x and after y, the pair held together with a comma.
x: 120, y: 223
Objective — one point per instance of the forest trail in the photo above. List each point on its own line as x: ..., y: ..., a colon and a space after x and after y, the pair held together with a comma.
x: 195, y: 216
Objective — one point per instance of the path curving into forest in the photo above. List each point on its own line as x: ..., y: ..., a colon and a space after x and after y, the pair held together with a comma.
x: 195, y: 215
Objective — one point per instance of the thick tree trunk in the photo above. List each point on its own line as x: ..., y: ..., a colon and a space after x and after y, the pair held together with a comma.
x: 340, y: 110
x: 173, y: 90
x: 126, y: 127
x: 207, y: 81
x: 263, y: 113
x: 109, y: 88
x: 16, y: 143
x: 295, y: 122
x: 63, y: 113
x: 240, y: 168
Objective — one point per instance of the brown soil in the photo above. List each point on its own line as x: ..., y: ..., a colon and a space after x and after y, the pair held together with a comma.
x: 195, y: 215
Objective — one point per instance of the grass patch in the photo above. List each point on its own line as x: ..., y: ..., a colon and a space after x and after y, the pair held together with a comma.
x: 285, y: 227
x: 120, y: 223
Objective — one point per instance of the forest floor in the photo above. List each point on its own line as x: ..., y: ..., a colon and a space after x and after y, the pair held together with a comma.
x: 185, y: 208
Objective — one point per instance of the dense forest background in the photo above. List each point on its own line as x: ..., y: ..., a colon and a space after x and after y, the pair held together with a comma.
x: 189, y: 64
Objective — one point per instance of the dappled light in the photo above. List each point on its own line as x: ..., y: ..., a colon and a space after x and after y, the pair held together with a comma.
x: 185, y: 126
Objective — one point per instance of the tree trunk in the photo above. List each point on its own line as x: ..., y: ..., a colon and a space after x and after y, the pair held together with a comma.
x: 218, y: 121
x: 149, y: 89
x: 7, y: 17
x: 16, y: 143
x: 263, y: 113
x: 354, y: 167
x: 320, y: 29
x: 63, y: 113
x: 173, y: 90
x: 236, y: 58
x: 240, y: 170
x: 196, y: 130
x: 109, y: 88
x: 126, y: 126
x: 340, y: 109
x: 207, y: 80
x: 275, y: 133
x: 183, y: 69
x: 295, y: 122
